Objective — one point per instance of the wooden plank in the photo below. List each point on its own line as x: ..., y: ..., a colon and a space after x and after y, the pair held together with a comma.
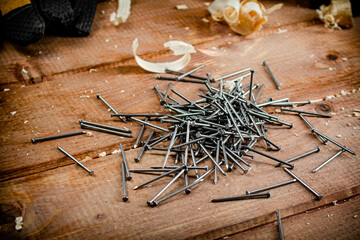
x: 67, y: 202
x: 58, y: 105
x: 108, y: 46
x: 340, y: 221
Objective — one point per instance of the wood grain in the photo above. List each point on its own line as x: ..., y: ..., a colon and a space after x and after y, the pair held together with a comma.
x: 340, y: 221
x: 60, y: 200
x: 108, y: 46
x: 60, y: 104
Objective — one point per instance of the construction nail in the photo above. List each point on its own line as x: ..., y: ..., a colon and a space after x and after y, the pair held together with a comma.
x: 125, y: 197
x: 318, y: 196
x: 271, y: 187
x: 180, y: 80
x: 329, y: 160
x: 128, y: 176
x: 317, y: 149
x: 136, y: 115
x: 268, y: 156
x: 233, y: 74
x: 35, y: 140
x: 243, y: 197
x: 91, y: 172
x: 272, y: 75
x: 149, y: 124
x: 311, y: 127
x: 159, y: 177
x: 279, y: 224
x: 304, y: 112
x: 137, y: 159
x: 190, y: 75
x: 109, y: 106
x: 104, y: 126
x: 140, y: 134
x: 333, y: 141
x: 189, y: 72
x: 87, y: 126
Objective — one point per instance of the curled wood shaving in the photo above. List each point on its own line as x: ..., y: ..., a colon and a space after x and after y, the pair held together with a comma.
x: 178, y: 47
x: 122, y: 13
x: 338, y: 14
x: 243, y: 17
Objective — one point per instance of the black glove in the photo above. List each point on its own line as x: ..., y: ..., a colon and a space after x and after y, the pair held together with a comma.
x: 28, y: 23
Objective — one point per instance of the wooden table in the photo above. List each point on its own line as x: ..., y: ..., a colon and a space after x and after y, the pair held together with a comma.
x: 58, y: 199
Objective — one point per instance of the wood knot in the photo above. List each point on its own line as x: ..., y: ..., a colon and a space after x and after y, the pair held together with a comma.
x: 332, y: 56
x: 324, y: 107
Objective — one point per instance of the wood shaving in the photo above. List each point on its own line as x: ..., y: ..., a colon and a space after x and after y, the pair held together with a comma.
x: 338, y: 14
x: 356, y: 114
x: 339, y: 136
x: 279, y: 31
x: 87, y: 158
x: 342, y: 109
x: 344, y: 93
x: 356, y: 110
x: 335, y: 203
x: 205, y: 20
x: 6, y: 89
x: 18, y: 223
x: 13, y: 113
x: 178, y: 47
x: 330, y: 97
x: 89, y: 134
x: 122, y: 13
x: 332, y: 113
x: 116, y: 151
x: 26, y: 121
x: 103, y: 154
x: 182, y: 7
x: 243, y: 18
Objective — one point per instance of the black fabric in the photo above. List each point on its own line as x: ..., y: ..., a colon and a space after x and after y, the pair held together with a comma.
x: 23, y: 25
x: 29, y: 23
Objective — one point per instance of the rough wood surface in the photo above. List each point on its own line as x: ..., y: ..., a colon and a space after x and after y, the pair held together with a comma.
x: 59, y: 200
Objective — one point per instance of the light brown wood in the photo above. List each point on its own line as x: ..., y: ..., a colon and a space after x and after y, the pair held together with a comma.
x: 59, y: 199
x: 340, y: 221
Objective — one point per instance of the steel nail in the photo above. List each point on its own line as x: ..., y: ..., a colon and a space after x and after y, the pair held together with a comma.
x: 272, y: 75
x: 35, y: 140
x: 317, y: 149
x: 271, y: 187
x: 109, y: 106
x: 125, y: 197
x: 128, y: 176
x: 82, y: 125
x: 318, y: 196
x: 91, y: 172
x: 104, y: 126
x: 137, y: 159
x: 279, y: 225
x: 242, y: 197
x: 308, y: 113
x: 329, y: 160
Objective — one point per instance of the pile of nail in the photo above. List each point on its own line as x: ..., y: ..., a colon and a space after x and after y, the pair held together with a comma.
x: 223, y: 126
